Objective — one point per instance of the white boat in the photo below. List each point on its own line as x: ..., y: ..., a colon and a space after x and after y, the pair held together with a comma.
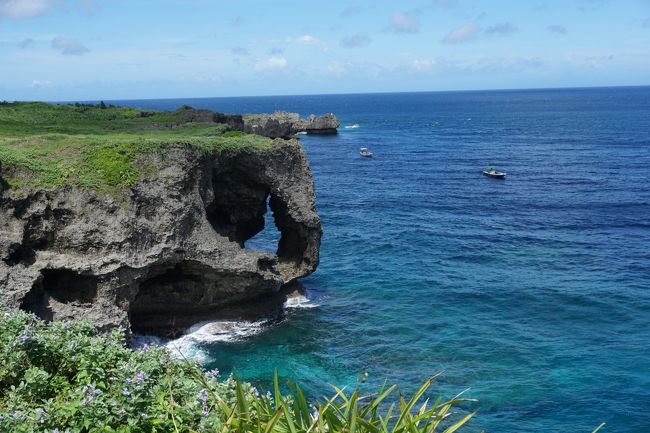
x: 365, y: 152
x: 492, y: 172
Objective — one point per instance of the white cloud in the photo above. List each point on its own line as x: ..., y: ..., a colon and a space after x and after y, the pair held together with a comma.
x: 26, y: 9
x: 39, y: 84
x: 271, y: 64
x: 423, y: 64
x: 337, y: 68
x: 482, y: 64
x: 69, y: 46
x: 464, y: 33
x: 305, y: 40
x: 505, y: 64
x: 597, y: 62
x: 355, y: 40
x: 403, y: 22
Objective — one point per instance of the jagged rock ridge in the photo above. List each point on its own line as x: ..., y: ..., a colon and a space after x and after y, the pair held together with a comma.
x: 284, y: 124
x: 173, y: 251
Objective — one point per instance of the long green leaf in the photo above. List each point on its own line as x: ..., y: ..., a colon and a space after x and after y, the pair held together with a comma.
x: 407, y: 408
x: 276, y: 390
x: 274, y: 419
x: 599, y: 427
x: 459, y: 424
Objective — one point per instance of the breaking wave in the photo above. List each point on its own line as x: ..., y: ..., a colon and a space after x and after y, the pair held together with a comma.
x: 299, y: 301
x: 194, y: 344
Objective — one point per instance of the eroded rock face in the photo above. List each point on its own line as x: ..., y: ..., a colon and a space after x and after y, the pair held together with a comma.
x: 173, y: 251
x: 284, y: 124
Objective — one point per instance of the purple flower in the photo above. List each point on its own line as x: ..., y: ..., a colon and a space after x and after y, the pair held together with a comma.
x: 203, y: 398
x: 255, y: 392
x: 90, y: 392
x: 211, y: 374
x: 140, y: 378
x: 125, y: 391
x: 24, y: 337
x: 41, y: 414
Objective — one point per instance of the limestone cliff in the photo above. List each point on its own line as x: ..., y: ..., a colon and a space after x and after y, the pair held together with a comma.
x: 284, y: 124
x: 172, y: 250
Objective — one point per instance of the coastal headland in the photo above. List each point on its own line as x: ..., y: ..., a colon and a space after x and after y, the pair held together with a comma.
x: 138, y: 219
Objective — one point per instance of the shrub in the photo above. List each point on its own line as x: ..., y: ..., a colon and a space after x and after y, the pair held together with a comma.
x: 64, y: 377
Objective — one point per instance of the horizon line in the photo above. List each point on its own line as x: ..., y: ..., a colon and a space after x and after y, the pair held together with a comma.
x: 362, y: 93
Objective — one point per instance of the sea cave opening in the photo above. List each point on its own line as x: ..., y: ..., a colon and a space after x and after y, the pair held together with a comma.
x: 267, y: 239
x: 58, y: 286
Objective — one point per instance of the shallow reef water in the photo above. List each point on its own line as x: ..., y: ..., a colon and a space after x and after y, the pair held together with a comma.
x: 533, y: 291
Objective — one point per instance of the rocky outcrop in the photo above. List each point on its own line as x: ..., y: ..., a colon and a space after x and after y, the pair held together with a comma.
x: 325, y: 124
x: 172, y: 250
x: 284, y: 125
x: 186, y: 114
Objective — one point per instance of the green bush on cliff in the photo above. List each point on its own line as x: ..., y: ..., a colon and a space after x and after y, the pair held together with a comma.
x: 62, y: 377
x: 93, y: 147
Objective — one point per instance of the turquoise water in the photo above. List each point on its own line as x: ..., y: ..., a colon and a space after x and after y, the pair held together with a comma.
x: 533, y: 292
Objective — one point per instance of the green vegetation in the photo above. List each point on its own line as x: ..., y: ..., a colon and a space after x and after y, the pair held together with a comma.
x: 96, y: 146
x: 62, y: 377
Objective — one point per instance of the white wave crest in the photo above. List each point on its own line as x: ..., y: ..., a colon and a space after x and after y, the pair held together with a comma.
x: 189, y: 345
x: 299, y: 301
x: 355, y: 126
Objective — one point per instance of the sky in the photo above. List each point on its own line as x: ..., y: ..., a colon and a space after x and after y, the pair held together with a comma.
x: 137, y: 49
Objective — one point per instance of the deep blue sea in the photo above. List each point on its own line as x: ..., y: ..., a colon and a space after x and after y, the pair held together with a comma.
x: 534, y: 291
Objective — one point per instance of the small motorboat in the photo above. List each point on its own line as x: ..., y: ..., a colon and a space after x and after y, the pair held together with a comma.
x: 365, y: 152
x: 492, y: 172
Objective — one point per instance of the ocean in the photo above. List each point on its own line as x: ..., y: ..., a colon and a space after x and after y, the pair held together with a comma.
x: 533, y: 291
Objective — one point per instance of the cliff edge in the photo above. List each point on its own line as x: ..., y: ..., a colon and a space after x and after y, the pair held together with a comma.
x: 171, y: 250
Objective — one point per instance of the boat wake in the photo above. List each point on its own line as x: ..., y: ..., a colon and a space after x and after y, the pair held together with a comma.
x: 355, y: 126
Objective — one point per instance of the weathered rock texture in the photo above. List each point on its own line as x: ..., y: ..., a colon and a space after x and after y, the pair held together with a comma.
x: 187, y: 114
x: 284, y: 125
x: 169, y: 254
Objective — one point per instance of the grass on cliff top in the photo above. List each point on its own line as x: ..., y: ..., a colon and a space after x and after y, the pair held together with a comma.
x: 96, y: 147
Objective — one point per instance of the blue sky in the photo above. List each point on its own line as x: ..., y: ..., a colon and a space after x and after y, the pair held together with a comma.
x: 118, y: 49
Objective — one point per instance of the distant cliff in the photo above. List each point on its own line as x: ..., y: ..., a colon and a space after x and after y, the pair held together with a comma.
x: 284, y: 124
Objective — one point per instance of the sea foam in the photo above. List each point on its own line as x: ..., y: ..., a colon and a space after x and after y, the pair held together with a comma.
x: 190, y: 344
